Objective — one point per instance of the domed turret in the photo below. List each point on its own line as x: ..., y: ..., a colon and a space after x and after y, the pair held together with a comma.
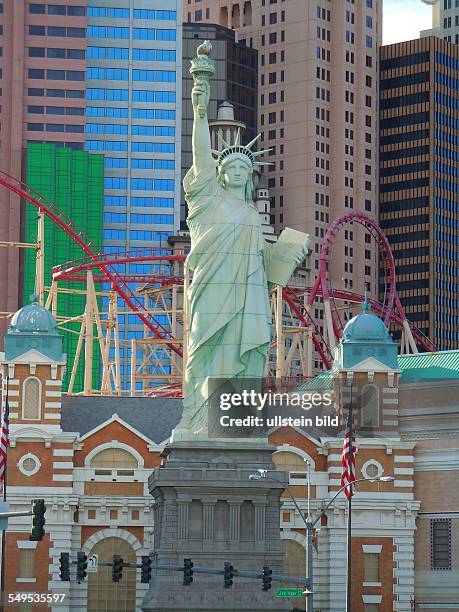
x: 33, y: 319
x: 33, y: 328
x: 365, y: 336
x: 365, y: 326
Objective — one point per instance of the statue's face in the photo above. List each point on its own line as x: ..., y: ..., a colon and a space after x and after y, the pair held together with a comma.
x: 236, y: 173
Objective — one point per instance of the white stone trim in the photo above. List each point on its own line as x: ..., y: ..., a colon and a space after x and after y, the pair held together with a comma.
x: 53, y: 393
x: 24, y: 458
x: 26, y: 544
x: 25, y: 580
x: 13, y: 382
x: 403, y: 483
x: 52, y: 404
x: 63, y: 452
x: 404, y: 471
x: 403, y: 459
x: 116, y: 418
x: 56, y: 416
x: 288, y: 448
x: 367, y: 464
x: 14, y: 415
x: 13, y: 392
x: 390, y: 400
x: 68, y: 465
x: 113, y: 444
x: 372, y: 599
x: 371, y: 584
x: 299, y: 538
x: 372, y: 548
x: 112, y: 532
x: 53, y: 383
x: 13, y: 404
x: 62, y: 477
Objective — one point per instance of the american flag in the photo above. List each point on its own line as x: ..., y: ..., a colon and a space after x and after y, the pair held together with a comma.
x: 4, y: 439
x: 348, y: 459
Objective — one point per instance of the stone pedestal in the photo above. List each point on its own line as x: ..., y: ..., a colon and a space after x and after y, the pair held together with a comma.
x: 208, y: 510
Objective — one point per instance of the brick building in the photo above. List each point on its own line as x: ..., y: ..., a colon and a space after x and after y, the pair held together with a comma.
x: 90, y: 459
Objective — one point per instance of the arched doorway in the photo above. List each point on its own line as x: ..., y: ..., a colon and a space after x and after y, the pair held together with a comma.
x: 105, y: 595
x: 294, y: 565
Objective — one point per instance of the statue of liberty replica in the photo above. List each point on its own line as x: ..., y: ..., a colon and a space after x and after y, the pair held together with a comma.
x: 228, y: 299
x: 206, y: 509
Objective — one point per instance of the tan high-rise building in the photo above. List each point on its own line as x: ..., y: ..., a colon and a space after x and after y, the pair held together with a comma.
x: 43, y: 70
x: 318, y: 110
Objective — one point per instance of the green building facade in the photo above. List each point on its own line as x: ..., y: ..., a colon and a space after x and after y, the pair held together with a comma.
x: 74, y: 182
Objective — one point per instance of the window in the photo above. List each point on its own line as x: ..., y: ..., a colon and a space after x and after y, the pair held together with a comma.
x: 371, y: 567
x: 441, y: 544
x: 272, y: 18
x: 31, y: 398
x: 114, y: 458
x: 291, y: 462
x: 370, y: 406
x: 36, y: 52
x: 26, y: 563
x: 56, y: 9
x: 37, y: 9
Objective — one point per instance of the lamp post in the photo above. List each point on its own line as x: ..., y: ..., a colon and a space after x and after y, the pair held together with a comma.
x: 310, y: 523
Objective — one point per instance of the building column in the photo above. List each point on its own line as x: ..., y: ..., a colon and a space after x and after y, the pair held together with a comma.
x: 183, y: 513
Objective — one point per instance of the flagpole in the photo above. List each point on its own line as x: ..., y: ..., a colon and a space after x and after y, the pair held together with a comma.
x: 349, y: 515
x: 3, y: 564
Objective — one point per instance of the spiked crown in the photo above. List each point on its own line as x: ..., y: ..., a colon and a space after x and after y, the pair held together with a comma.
x: 238, y: 148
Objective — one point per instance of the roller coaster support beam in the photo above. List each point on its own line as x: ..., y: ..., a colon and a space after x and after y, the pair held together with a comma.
x: 40, y: 260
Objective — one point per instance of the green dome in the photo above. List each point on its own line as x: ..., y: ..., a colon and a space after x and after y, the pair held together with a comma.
x: 33, y: 319
x: 365, y: 327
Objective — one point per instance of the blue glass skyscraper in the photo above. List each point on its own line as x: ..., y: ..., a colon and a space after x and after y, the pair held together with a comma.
x: 134, y: 57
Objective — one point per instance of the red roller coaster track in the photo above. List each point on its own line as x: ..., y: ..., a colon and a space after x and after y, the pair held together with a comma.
x: 391, y: 309
x: 93, y: 253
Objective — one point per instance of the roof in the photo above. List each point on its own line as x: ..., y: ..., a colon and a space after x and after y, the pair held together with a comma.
x: 418, y: 367
x: 154, y: 418
x: 442, y: 365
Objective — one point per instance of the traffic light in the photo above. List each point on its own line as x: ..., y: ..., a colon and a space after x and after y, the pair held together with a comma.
x: 82, y: 566
x: 117, y: 568
x: 64, y: 567
x: 267, y: 578
x: 38, y: 520
x: 145, y: 569
x: 228, y: 575
x: 187, y: 572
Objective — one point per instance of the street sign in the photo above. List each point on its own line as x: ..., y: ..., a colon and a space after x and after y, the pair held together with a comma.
x: 289, y: 593
x: 93, y: 563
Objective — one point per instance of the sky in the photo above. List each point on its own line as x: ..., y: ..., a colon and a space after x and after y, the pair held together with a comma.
x: 403, y: 20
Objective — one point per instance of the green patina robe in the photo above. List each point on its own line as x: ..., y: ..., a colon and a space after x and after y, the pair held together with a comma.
x: 229, y: 317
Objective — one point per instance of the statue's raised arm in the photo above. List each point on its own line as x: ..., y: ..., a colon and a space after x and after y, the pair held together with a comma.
x: 202, y: 69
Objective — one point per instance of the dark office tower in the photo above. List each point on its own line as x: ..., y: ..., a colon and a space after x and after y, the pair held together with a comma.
x: 419, y: 180
x: 235, y: 81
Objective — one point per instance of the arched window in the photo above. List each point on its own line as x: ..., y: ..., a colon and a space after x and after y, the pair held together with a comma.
x: 114, y: 462
x: 103, y: 594
x: 369, y: 407
x: 290, y: 462
x: 114, y: 457
x: 31, y: 398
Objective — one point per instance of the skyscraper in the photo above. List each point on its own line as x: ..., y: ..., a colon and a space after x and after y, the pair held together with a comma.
x: 445, y: 20
x: 419, y: 180
x: 134, y: 58
x: 235, y: 81
x: 42, y: 70
x: 74, y: 181
x: 318, y: 109
x: 101, y: 76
